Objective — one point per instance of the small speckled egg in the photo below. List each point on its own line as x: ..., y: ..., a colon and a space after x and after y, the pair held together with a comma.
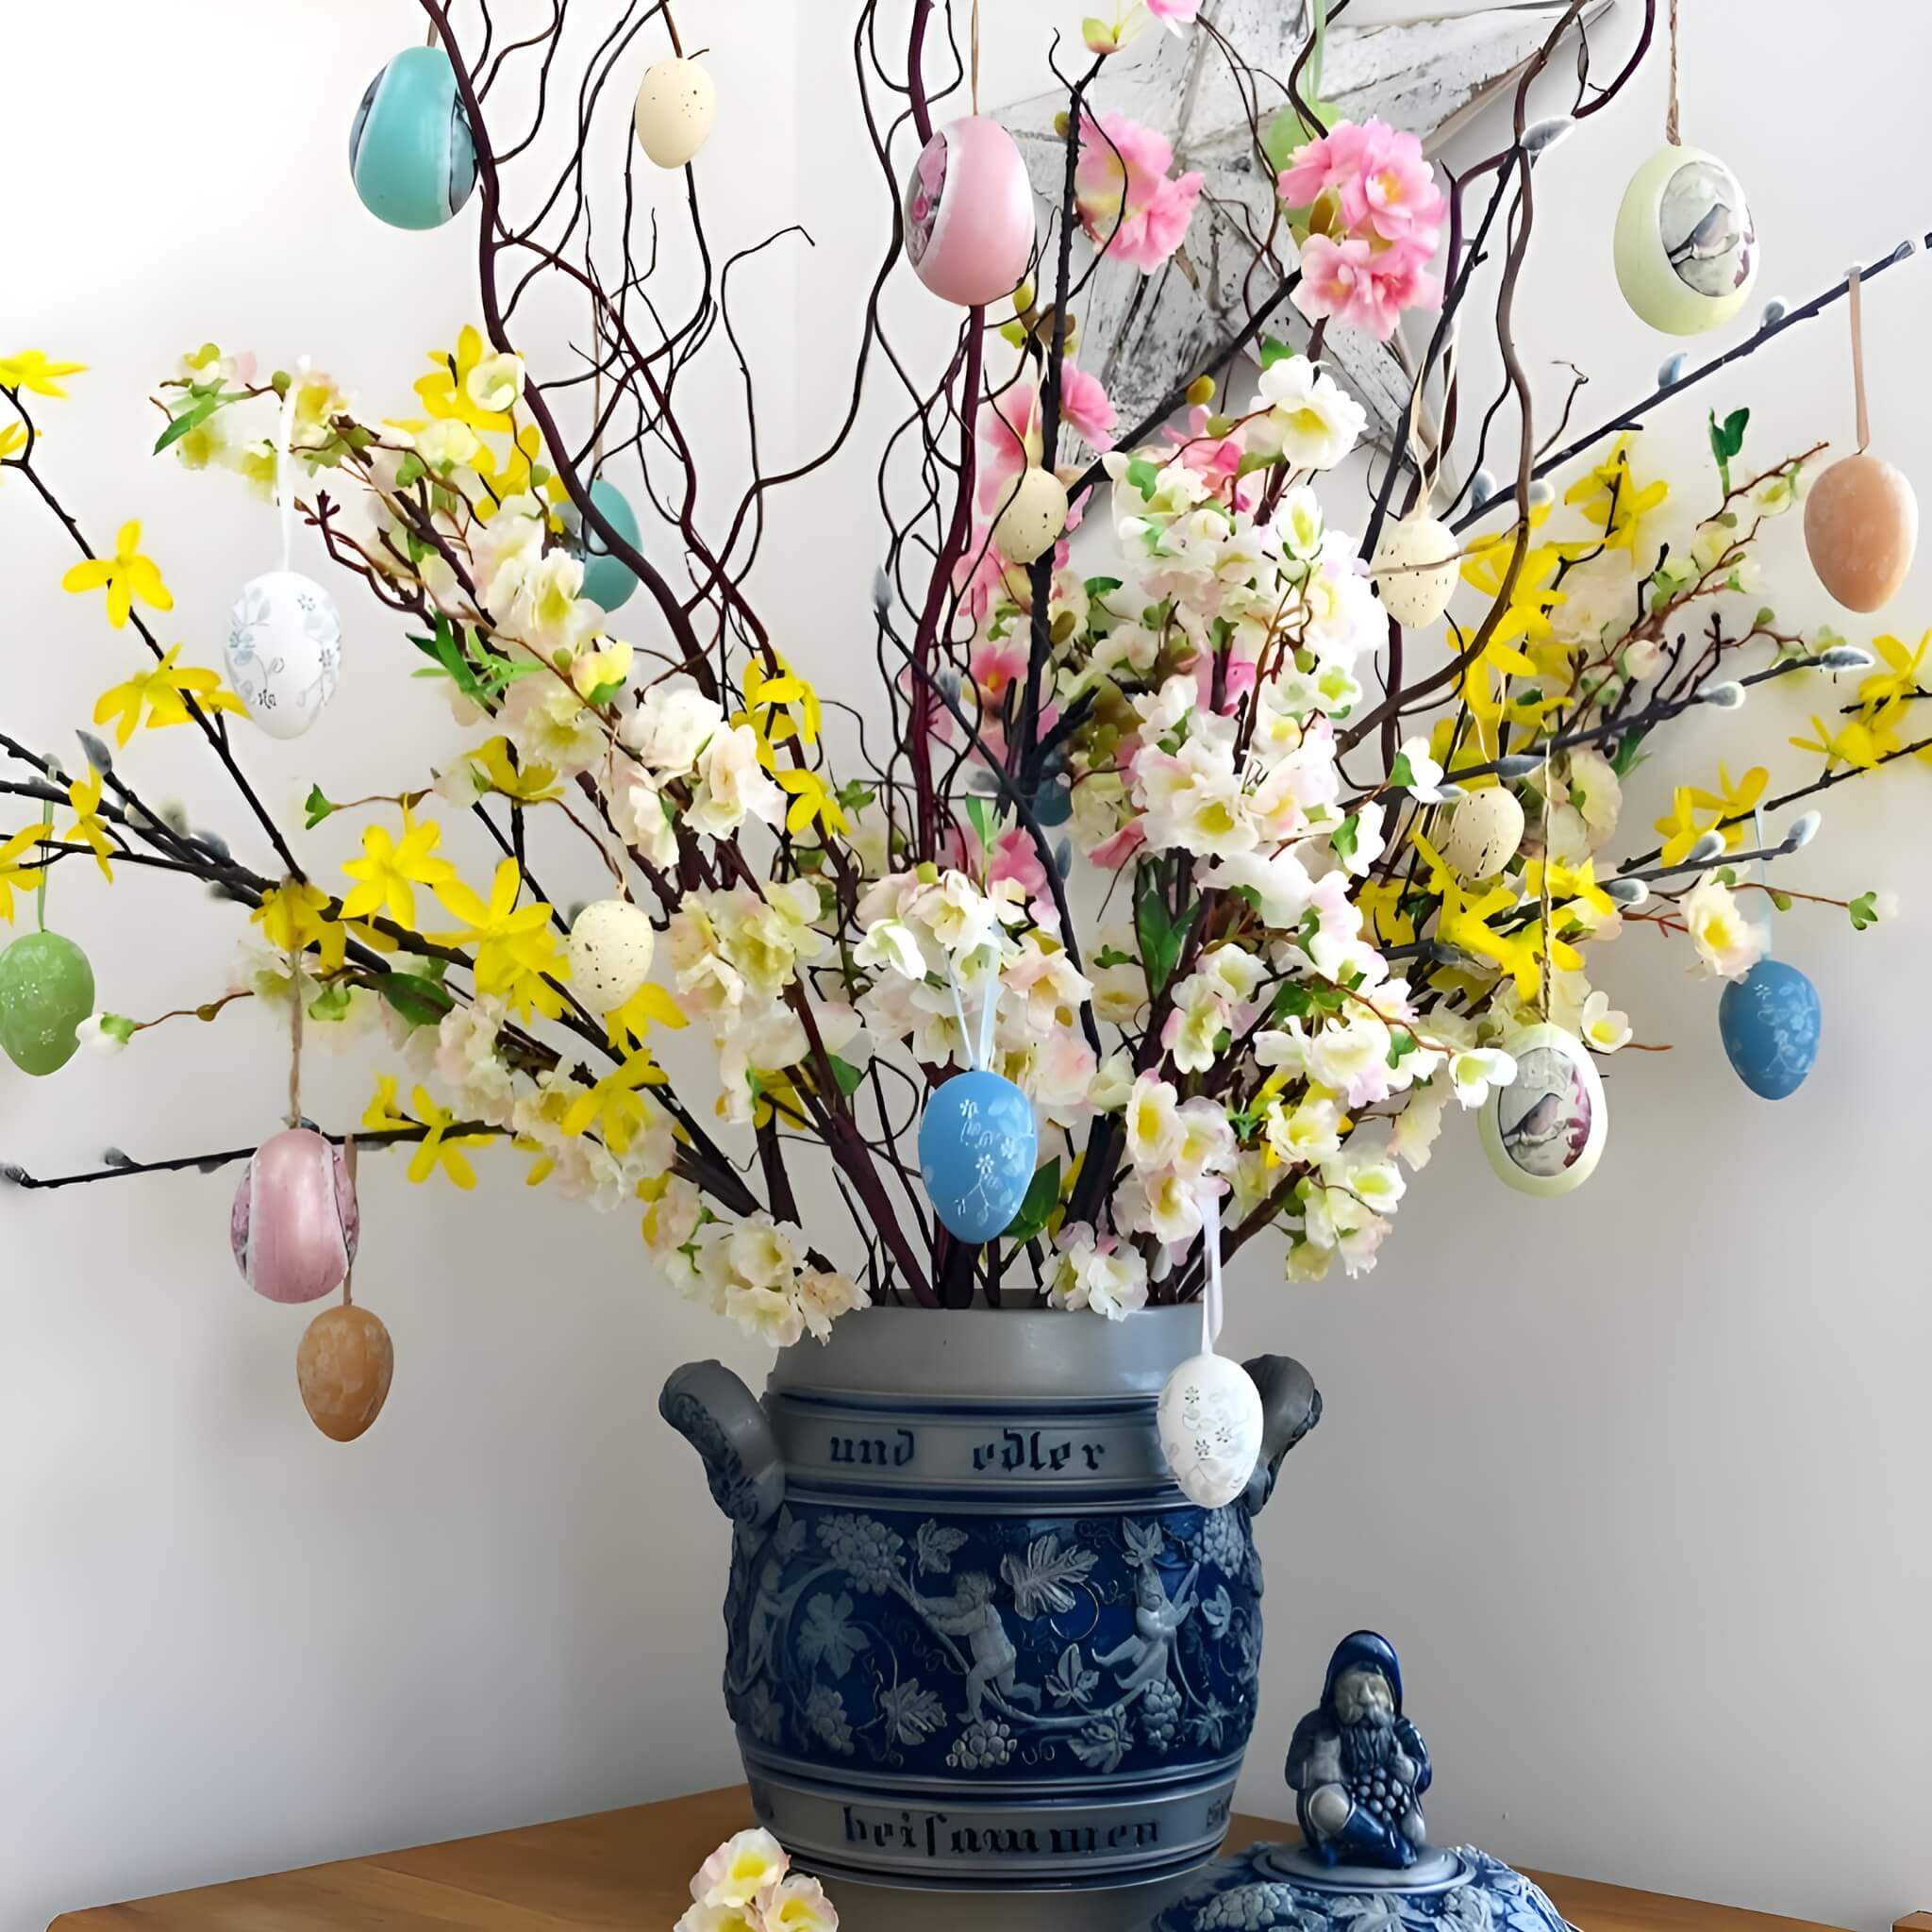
x: 1415, y: 571
x: 610, y: 948
x: 295, y: 1224
x: 1481, y: 833
x: 1209, y: 1421
x: 284, y: 651
x: 1686, y: 249
x: 1861, y: 526
x: 46, y: 990
x: 343, y: 1368
x: 677, y: 105
x: 969, y: 213
x: 411, y: 153
x: 1033, y: 517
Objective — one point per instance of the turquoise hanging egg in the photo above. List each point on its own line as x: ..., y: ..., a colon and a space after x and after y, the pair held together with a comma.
x: 46, y: 990
x: 1769, y: 1022
x: 609, y: 583
x: 977, y: 1144
x: 411, y: 153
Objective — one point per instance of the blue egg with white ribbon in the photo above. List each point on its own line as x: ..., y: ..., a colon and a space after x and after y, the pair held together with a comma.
x: 607, y: 583
x: 1769, y: 1022
x: 977, y: 1147
x: 412, y: 155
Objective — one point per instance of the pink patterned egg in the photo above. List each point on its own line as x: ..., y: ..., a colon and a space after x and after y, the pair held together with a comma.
x: 294, y: 1223
x: 969, y: 213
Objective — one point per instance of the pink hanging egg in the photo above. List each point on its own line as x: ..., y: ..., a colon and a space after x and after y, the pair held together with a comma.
x: 294, y: 1223
x: 969, y: 213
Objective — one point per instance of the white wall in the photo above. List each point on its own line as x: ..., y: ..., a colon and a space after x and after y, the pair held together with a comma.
x: 1636, y: 1480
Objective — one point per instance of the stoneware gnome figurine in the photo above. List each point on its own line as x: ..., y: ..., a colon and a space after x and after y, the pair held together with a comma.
x: 1358, y: 1768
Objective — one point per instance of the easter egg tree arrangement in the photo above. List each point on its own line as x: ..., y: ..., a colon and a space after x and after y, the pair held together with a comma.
x: 1214, y: 836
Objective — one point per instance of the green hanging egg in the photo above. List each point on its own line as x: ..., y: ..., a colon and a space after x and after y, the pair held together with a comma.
x: 46, y: 990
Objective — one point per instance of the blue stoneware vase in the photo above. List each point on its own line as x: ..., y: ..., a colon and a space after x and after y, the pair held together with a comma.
x: 1769, y: 1022
x: 978, y: 1640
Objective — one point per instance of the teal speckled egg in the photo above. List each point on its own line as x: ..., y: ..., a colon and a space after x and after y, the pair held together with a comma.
x: 46, y: 990
x: 607, y: 583
x: 411, y: 153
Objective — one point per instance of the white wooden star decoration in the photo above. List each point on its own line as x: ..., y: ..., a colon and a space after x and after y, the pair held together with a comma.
x: 1141, y: 333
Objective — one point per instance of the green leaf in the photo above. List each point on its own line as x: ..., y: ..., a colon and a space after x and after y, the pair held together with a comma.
x: 980, y: 813
x: 191, y: 418
x: 1401, y: 774
x: 1099, y: 587
x: 1346, y: 837
x: 117, y: 1027
x: 411, y: 469
x: 1864, y: 911
x: 1036, y: 1210
x: 1253, y: 460
x: 1143, y: 475
x: 1294, y: 1002
x: 847, y: 1075
x: 1781, y: 900
x: 1629, y: 754
x: 855, y: 797
x: 606, y: 692
x: 419, y: 1001
x: 1401, y: 1043
x: 1112, y: 956
x: 1273, y: 350
x: 316, y: 807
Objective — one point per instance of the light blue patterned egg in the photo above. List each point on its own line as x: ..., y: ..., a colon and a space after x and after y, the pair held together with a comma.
x: 977, y: 1144
x: 1769, y: 1022
x: 411, y: 153
x: 606, y: 582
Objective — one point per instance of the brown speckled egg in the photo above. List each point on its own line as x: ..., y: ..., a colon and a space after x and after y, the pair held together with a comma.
x: 1861, y: 525
x: 343, y: 1368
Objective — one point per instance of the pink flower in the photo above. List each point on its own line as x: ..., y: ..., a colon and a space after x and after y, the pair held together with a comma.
x: 1112, y: 854
x: 1086, y: 407
x: 1011, y: 441
x: 1238, y: 681
x: 1318, y: 166
x: 1014, y: 857
x: 996, y: 662
x: 1216, y: 457
x: 1128, y: 205
x: 1361, y: 287
x: 1174, y: 14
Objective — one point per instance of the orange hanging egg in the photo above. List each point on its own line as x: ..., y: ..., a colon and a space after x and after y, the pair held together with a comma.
x: 343, y: 1368
x: 1861, y: 525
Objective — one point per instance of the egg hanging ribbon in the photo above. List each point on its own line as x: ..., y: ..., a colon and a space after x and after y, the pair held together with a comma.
x: 1209, y: 1417
x: 285, y: 638
x: 977, y: 1138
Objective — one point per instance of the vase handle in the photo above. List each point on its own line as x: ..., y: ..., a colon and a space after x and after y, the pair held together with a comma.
x: 720, y: 1419
x: 1291, y: 1407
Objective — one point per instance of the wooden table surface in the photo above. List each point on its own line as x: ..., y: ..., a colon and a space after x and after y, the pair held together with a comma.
x: 632, y: 1869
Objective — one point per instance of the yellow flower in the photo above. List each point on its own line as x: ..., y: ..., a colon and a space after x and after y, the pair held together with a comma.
x: 1571, y: 886
x: 1857, y: 745
x: 1901, y: 680
x: 1614, y: 500
x: 381, y: 1115
x: 389, y: 870
x: 1380, y: 902
x: 13, y: 874
x: 31, y: 371
x: 1532, y: 597
x: 607, y: 667
x: 516, y: 950
x: 445, y: 392
x: 441, y: 1148
x: 126, y: 576
x: 166, y: 694
x: 1733, y: 801
x: 295, y: 915
x: 1680, y: 826
x: 614, y: 1103
x: 811, y: 800
x: 627, y: 1025
x: 527, y: 783
x: 768, y: 691
x: 84, y: 795
x: 12, y: 439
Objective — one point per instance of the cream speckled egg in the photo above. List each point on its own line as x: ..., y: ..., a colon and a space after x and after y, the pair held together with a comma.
x: 610, y: 948
x: 677, y: 105
x: 284, y: 651
x: 1861, y: 526
x: 1412, y: 595
x: 1481, y: 833
x: 1034, y: 516
x: 1686, y: 249
x: 1209, y: 1421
